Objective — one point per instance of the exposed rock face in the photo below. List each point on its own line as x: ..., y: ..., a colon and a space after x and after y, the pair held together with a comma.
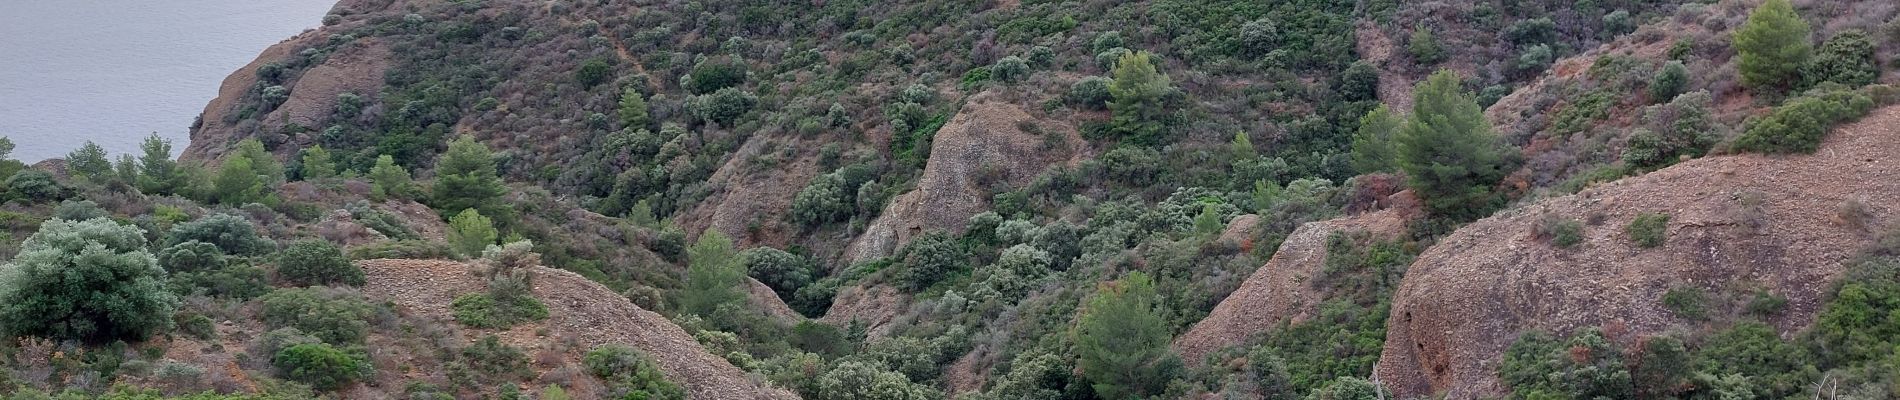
x: 874, y: 306
x: 984, y: 144
x: 1280, y: 291
x: 578, y: 309
x: 765, y: 299
x: 749, y: 196
x: 1769, y: 222
x: 356, y: 68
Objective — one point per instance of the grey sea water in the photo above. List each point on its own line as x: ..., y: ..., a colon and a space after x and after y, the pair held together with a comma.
x: 116, y: 71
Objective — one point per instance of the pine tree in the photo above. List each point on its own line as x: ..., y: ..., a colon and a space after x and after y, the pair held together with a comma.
x: 465, y: 177
x: 1242, y: 147
x: 6, y: 147
x: 1773, y: 46
x: 470, y: 232
x: 89, y: 163
x: 238, y: 182
x: 1122, y: 340
x: 713, y: 274
x: 389, y: 180
x: 127, y: 169
x: 317, y: 163
x: 158, y: 173
x: 633, y: 111
x: 1447, y: 150
x: 1139, y: 99
x: 262, y: 161
x: 1424, y: 46
x: 1372, y: 143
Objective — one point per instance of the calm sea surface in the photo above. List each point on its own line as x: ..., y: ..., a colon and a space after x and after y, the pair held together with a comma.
x: 115, y: 71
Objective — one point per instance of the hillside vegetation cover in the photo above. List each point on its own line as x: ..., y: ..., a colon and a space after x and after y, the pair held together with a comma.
x: 936, y: 199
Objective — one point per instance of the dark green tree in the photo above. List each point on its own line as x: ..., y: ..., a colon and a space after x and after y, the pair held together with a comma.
x: 465, y: 178
x: 1424, y: 47
x: 1140, y: 94
x: 388, y: 180
x: 633, y: 111
x: 1773, y: 45
x: 1847, y: 59
x: 713, y: 275
x: 158, y: 173
x: 1122, y: 340
x: 1449, y: 155
x: 89, y: 163
x: 1372, y: 143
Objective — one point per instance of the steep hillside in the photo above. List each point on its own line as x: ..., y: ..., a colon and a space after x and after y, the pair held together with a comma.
x: 1285, y: 290
x: 582, y: 315
x: 1736, y: 224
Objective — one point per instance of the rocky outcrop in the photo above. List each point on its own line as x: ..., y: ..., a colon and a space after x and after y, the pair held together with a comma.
x: 873, y: 306
x: 989, y: 141
x: 578, y: 309
x: 1280, y: 291
x: 355, y: 68
x: 1750, y: 221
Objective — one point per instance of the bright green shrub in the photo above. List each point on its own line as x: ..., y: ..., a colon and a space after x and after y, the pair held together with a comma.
x: 1798, y: 125
x: 1585, y: 366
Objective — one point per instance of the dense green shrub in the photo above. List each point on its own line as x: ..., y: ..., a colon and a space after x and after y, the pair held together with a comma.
x: 234, y: 281
x: 1798, y: 125
x: 493, y: 310
x: 1773, y: 368
x: 594, y: 71
x: 321, y: 366
x: 337, y: 316
x: 1649, y: 229
x: 35, y: 186
x: 714, y: 74
x: 1688, y: 302
x: 492, y: 357
x: 1681, y: 128
x: 86, y: 280
x: 317, y: 262
x: 1010, y: 69
x: 1089, y: 93
x: 869, y: 381
x: 233, y: 234
x: 1565, y: 233
x: 1669, y: 83
x: 191, y: 256
x: 783, y: 272
x: 823, y: 201
x: 630, y: 374
x: 1585, y: 366
x: 723, y: 106
x: 928, y: 259
x: 1847, y: 59
x: 78, y: 210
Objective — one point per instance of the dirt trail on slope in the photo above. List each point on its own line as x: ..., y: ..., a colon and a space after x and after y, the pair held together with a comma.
x: 579, y: 309
x: 1737, y: 222
x: 1280, y: 291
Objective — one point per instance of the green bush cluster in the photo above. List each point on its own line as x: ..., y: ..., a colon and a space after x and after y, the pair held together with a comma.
x: 337, y: 316
x: 322, y: 366
x: 317, y: 262
x: 1649, y: 229
x: 630, y: 374
x: 1798, y: 125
